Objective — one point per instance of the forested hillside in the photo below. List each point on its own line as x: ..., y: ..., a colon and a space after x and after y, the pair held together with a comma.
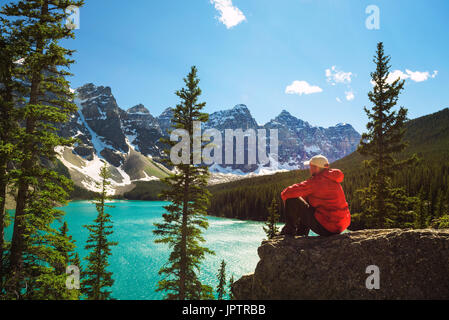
x: 428, y: 136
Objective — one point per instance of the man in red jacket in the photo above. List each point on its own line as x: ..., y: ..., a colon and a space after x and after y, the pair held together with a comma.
x: 318, y: 203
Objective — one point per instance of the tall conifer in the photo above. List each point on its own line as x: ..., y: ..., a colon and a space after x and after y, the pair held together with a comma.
x: 231, y: 283
x: 270, y: 227
x: 36, y: 27
x: 221, y: 288
x: 189, y: 199
x: 384, y: 205
x: 96, y: 277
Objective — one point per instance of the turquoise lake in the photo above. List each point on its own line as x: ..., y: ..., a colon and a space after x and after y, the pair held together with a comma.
x: 136, y: 260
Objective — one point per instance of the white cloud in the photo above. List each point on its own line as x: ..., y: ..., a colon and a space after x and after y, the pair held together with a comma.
x: 349, y: 95
x: 338, y: 99
x: 396, y: 74
x: 230, y: 15
x: 334, y: 76
x: 416, y: 76
x: 302, y: 87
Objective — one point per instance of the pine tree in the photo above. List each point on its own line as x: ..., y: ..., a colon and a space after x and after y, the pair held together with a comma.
x: 9, y: 89
x: 6, y: 147
x: 37, y: 27
x: 422, y: 213
x: 221, y: 288
x: 51, y: 283
x: 381, y: 202
x: 97, y: 278
x: 231, y: 283
x: 71, y: 257
x: 189, y: 199
x: 439, y: 204
x: 273, y: 217
x: 66, y: 248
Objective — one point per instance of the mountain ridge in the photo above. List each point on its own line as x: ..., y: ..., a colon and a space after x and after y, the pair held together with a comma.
x: 108, y: 133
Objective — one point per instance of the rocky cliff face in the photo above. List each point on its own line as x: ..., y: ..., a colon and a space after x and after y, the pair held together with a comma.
x: 125, y: 140
x: 142, y: 130
x: 413, y: 264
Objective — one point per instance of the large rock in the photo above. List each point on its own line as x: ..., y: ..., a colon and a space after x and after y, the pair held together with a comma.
x: 413, y: 264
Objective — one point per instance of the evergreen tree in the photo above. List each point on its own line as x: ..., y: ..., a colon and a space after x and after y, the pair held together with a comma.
x: 71, y: 257
x: 9, y: 88
x: 381, y: 202
x: 97, y: 278
x: 421, y: 220
x: 439, y: 206
x: 273, y: 217
x: 231, y: 283
x: 189, y: 199
x: 221, y: 288
x: 65, y: 248
x: 51, y: 280
x: 36, y: 27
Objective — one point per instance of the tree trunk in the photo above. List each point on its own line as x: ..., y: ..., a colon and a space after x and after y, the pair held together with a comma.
x: 183, y: 260
x: 17, y: 244
x: 3, y: 185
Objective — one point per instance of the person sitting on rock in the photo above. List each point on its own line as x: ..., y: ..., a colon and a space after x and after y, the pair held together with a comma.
x: 316, y: 204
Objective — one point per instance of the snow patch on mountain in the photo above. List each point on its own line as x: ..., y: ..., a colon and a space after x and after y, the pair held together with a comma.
x: 96, y: 141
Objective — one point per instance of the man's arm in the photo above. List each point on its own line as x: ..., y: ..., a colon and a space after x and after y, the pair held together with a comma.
x: 302, y: 189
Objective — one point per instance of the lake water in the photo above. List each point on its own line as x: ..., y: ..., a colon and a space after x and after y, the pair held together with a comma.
x: 136, y: 260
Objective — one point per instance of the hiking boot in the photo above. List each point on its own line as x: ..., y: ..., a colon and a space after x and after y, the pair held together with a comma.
x: 302, y: 235
x: 286, y: 232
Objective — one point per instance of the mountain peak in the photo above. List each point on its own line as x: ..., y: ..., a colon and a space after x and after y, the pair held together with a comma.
x: 89, y: 89
x: 140, y: 108
x: 241, y: 107
x: 285, y: 113
x: 168, y: 112
x: 286, y: 116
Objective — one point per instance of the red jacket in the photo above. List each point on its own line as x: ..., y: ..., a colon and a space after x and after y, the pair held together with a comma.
x: 324, y: 192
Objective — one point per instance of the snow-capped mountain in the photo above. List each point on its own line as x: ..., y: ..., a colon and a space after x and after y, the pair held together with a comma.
x: 299, y: 141
x: 125, y: 140
x: 128, y: 140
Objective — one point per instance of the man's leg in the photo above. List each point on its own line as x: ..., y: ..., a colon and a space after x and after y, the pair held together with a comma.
x: 308, y: 221
x: 294, y: 209
x: 291, y: 210
x: 319, y: 229
x: 305, y: 214
x: 302, y: 216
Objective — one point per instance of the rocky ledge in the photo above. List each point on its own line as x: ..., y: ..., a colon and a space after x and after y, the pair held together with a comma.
x: 405, y: 264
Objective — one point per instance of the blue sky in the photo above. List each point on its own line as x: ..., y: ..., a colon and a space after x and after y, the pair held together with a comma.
x: 269, y: 55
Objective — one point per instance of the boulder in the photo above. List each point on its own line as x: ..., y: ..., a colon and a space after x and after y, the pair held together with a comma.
x: 408, y: 264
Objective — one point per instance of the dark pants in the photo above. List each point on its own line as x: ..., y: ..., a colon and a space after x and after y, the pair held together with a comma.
x: 300, y: 218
